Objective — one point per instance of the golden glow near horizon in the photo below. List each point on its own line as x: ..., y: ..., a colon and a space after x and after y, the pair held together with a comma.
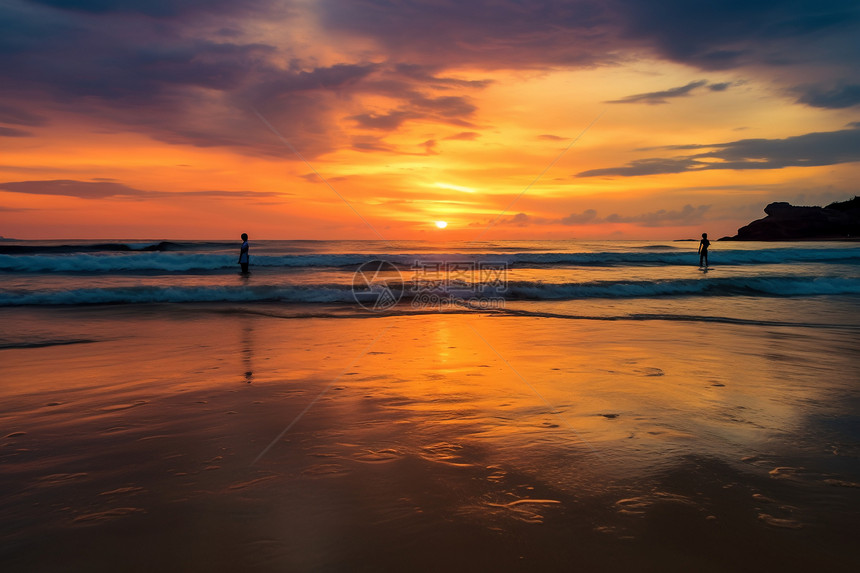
x: 453, y: 187
x: 441, y: 224
x: 402, y: 135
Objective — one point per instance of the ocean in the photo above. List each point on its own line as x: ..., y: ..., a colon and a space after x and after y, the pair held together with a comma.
x: 365, y: 405
x: 323, y: 272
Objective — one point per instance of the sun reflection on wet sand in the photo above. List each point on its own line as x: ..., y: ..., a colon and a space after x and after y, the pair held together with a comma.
x: 662, y: 441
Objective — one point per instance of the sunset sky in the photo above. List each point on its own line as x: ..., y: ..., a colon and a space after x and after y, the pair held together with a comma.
x: 621, y: 119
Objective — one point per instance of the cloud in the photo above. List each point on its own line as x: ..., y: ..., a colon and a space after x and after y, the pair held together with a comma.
x: 429, y: 75
x: 370, y: 144
x: 688, y: 215
x: 154, y: 8
x: 189, y: 71
x: 386, y: 121
x: 108, y: 189
x: 445, y: 109
x: 521, y: 220
x: 17, y: 116
x: 12, y: 132
x: 273, y: 82
x: 811, y: 149
x: 847, y: 95
x: 661, y: 96
x: 315, y: 178
x: 180, y: 82
x: 588, y: 33
x: 587, y: 216
x: 808, y: 150
x: 492, y: 35
x: 725, y: 35
x: 653, y: 166
x: 430, y: 147
x: 71, y: 188
x: 464, y: 136
x: 451, y: 107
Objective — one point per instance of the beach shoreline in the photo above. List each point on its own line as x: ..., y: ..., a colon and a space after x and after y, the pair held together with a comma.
x: 429, y: 441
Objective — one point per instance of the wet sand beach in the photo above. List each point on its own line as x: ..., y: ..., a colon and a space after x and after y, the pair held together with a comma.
x: 230, y: 437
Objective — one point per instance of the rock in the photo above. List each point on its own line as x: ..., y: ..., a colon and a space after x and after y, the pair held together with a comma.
x: 786, y: 222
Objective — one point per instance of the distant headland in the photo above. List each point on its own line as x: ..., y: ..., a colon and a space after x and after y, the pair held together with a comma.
x: 786, y: 222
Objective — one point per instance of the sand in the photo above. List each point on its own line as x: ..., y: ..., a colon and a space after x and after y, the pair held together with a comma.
x: 184, y: 438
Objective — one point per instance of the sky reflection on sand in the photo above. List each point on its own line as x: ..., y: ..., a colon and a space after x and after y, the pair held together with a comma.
x: 425, y: 439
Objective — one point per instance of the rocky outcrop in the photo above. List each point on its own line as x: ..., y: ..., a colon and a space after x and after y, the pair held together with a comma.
x: 786, y: 222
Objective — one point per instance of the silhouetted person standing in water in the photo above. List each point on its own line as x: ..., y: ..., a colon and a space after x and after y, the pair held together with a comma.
x: 703, y: 250
x: 243, y: 254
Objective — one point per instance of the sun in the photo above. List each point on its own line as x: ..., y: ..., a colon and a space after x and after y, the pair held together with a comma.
x: 441, y: 224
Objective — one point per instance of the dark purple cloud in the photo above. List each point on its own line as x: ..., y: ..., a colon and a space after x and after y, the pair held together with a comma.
x: 587, y: 216
x: 176, y: 80
x: 489, y: 33
x: 840, y: 97
x: 551, y: 137
x: 652, y: 166
x: 430, y: 147
x: 687, y: 215
x: 710, y: 35
x: 464, y: 136
x: 386, y: 121
x: 19, y: 116
x: 12, y: 132
x: 808, y: 150
x: 659, y: 97
x: 189, y: 71
x: 108, y: 189
x: 430, y: 75
x: 371, y: 144
x: 724, y: 34
x: 71, y: 188
x: 156, y: 8
x: 454, y: 110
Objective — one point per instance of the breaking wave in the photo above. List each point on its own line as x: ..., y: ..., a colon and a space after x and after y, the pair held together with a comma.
x: 515, y: 290
x: 161, y: 257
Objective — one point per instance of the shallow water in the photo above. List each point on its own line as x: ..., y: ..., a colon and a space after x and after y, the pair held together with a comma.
x: 224, y: 437
x: 323, y: 272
